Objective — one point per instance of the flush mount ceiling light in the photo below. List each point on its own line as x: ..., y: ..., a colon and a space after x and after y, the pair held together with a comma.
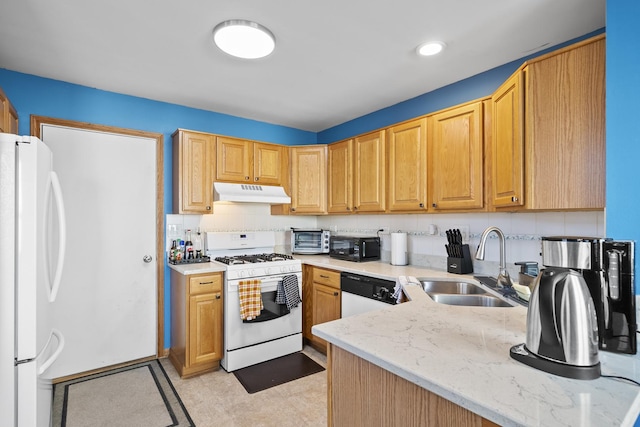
x: 430, y: 48
x: 244, y: 39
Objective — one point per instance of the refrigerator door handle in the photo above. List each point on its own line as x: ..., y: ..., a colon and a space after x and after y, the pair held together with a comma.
x: 54, y: 356
x: 62, y: 241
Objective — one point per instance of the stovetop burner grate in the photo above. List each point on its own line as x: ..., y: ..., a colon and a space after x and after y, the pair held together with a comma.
x: 252, y: 259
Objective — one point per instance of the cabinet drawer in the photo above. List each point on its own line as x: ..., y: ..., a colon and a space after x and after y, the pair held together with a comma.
x: 205, y: 283
x: 327, y: 277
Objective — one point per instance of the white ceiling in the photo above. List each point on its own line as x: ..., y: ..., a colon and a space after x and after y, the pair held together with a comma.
x: 335, y: 60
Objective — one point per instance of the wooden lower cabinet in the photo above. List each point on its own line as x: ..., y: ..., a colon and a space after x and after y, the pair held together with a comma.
x: 363, y: 394
x: 196, y: 323
x: 321, y: 301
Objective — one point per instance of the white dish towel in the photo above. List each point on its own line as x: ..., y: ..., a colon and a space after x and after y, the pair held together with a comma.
x: 401, y: 282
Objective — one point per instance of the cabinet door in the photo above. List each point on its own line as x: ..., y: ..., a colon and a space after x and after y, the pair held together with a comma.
x: 369, y: 172
x: 13, y: 120
x: 407, y: 166
x: 565, y: 129
x: 205, y: 328
x: 326, y: 305
x: 340, y: 165
x: 4, y: 105
x: 193, y: 172
x: 507, y: 161
x: 456, y: 151
x: 233, y: 160
x: 309, y: 179
x: 267, y: 163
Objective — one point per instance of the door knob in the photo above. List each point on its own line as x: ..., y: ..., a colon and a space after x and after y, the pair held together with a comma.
x: 147, y: 258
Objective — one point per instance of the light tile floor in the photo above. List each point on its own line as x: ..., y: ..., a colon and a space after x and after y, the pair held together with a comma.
x: 218, y: 399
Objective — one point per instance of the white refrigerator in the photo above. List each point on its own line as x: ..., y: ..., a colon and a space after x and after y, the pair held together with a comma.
x: 32, y: 220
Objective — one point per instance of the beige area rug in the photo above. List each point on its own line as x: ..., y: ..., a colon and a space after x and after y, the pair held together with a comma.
x: 137, y: 395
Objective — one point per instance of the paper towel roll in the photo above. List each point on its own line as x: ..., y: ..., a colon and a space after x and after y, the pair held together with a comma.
x: 398, y: 248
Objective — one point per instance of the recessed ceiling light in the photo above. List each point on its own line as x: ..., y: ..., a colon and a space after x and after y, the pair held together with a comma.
x: 430, y: 48
x: 244, y: 39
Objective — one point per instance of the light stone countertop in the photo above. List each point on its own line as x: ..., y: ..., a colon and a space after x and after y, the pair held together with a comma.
x: 462, y: 354
x: 199, y: 268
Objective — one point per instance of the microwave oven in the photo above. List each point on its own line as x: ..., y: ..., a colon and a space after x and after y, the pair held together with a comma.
x: 356, y: 249
x: 309, y: 241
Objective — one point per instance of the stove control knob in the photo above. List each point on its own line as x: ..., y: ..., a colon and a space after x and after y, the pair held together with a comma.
x: 242, y: 273
x: 252, y: 273
x: 384, y: 293
x: 292, y: 268
x: 283, y: 269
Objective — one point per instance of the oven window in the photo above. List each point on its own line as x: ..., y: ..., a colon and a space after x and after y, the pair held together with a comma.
x: 308, y: 240
x: 271, y: 310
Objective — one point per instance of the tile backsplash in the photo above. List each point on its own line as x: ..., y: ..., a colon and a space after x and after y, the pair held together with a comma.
x: 522, y: 230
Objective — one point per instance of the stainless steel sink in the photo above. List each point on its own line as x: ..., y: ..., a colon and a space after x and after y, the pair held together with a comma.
x: 461, y: 293
x: 444, y: 287
x: 470, y: 300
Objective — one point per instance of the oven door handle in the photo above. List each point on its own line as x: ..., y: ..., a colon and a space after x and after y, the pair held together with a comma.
x: 271, y: 281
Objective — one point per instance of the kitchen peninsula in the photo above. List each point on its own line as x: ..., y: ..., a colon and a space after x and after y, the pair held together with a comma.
x: 420, y: 360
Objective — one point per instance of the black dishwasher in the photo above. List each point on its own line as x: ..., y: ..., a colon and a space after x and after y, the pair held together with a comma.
x: 361, y: 294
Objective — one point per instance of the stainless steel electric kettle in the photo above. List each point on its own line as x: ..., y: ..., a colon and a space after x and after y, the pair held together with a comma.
x: 562, y: 328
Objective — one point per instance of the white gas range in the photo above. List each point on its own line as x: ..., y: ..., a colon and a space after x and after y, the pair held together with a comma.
x: 277, y: 331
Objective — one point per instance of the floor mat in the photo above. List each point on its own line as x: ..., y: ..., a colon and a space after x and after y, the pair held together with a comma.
x: 277, y: 371
x: 136, y: 395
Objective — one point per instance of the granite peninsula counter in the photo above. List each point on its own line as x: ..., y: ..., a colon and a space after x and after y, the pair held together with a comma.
x: 462, y: 355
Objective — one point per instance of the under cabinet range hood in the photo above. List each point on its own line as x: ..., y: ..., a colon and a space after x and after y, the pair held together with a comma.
x: 249, y: 193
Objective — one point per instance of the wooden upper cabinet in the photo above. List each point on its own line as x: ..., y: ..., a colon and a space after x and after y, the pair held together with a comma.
x: 267, y: 163
x: 242, y: 161
x: 233, y: 160
x: 340, y: 177
x: 193, y: 172
x: 407, y: 153
x: 565, y: 128
x: 309, y: 179
x: 8, y: 115
x: 369, y: 172
x: 507, y: 147
x: 456, y: 151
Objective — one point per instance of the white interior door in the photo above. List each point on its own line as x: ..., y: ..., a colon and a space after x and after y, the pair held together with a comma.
x: 107, y: 302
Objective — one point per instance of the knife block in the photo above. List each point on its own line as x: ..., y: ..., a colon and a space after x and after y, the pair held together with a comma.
x: 462, y: 265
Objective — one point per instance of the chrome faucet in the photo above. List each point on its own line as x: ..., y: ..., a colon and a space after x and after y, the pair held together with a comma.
x: 504, y: 280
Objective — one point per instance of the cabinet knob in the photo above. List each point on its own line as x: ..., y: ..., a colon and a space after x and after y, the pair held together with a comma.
x: 208, y: 208
x: 435, y: 205
x: 348, y: 208
x: 293, y: 209
x: 355, y: 208
x: 218, y: 296
x: 514, y: 199
x: 246, y: 178
x: 335, y: 294
x: 422, y: 205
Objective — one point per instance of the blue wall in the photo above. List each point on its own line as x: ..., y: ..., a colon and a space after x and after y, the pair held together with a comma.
x: 45, y: 97
x: 623, y: 136
x: 478, y: 86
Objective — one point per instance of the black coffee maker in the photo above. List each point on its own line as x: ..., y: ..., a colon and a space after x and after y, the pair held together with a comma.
x: 608, y: 269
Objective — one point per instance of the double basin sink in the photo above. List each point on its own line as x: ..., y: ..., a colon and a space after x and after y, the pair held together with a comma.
x: 461, y: 293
